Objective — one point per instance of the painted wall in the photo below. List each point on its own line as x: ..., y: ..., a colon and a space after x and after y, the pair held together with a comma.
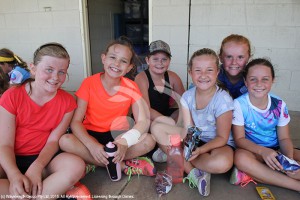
x: 272, y: 26
x: 27, y: 24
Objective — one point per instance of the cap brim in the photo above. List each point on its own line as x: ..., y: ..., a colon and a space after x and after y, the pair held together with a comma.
x: 157, y: 51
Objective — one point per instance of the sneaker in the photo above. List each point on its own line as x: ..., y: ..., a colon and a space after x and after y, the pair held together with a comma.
x: 79, y: 192
x: 159, y: 156
x: 199, y: 179
x: 89, y: 168
x: 139, y: 165
x: 240, y: 178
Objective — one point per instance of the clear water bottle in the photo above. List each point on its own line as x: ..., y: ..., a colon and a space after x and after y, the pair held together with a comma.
x: 113, y: 169
x: 175, y: 160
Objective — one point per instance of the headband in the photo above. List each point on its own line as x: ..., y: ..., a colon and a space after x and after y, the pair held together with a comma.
x: 5, y: 59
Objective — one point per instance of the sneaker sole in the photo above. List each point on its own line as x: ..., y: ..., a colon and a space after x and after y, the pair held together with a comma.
x: 204, y: 185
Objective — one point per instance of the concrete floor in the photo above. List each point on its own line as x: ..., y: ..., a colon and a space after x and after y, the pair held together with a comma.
x: 143, y: 187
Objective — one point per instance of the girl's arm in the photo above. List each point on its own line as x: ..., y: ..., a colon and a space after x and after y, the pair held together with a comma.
x: 176, y: 84
x: 142, y: 122
x: 19, y: 184
x: 141, y: 115
x: 285, y: 142
x: 96, y: 149
x: 51, y: 147
x: 241, y: 141
x: 267, y: 154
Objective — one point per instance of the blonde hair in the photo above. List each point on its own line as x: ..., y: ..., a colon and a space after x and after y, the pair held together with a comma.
x: 204, y: 51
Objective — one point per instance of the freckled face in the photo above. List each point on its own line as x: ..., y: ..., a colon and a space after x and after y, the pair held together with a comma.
x: 234, y: 58
x: 50, y: 73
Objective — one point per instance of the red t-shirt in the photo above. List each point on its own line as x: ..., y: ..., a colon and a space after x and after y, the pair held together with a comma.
x: 104, y: 112
x: 34, y: 123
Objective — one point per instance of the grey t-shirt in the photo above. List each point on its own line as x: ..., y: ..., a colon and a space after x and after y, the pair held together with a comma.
x: 206, y: 118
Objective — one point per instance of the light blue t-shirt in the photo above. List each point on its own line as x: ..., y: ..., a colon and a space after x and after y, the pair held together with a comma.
x: 18, y: 75
x: 261, y: 125
x: 206, y: 118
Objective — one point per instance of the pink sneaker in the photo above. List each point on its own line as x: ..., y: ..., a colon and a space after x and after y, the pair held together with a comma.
x: 139, y: 166
x: 240, y: 178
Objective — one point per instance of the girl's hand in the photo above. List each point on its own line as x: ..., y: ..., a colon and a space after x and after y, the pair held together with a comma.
x: 269, y: 156
x: 99, y: 154
x: 20, y: 185
x: 34, y: 173
x: 195, y: 153
x: 122, y: 149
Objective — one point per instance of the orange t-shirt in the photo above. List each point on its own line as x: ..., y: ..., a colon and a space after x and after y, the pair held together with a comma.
x: 104, y: 112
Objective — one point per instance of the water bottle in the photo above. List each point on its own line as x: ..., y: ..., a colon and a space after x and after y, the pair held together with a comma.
x: 113, y: 169
x: 175, y: 160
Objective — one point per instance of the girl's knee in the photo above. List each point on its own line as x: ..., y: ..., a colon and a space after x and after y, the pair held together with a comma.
x: 149, y: 141
x: 66, y: 140
x: 74, y: 165
x: 241, y: 158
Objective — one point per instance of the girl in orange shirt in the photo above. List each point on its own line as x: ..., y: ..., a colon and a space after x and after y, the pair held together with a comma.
x: 104, y: 100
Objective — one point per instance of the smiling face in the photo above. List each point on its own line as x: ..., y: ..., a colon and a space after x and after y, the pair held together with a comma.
x: 158, y: 63
x: 117, y: 60
x: 259, y: 81
x: 204, y: 72
x: 50, y: 73
x: 235, y: 56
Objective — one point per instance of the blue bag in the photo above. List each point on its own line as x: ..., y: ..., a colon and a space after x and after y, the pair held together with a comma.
x: 287, y: 164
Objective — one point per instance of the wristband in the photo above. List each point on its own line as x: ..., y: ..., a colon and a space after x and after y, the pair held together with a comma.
x: 132, y: 137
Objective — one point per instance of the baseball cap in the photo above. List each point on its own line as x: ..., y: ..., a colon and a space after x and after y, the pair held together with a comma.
x: 159, y: 45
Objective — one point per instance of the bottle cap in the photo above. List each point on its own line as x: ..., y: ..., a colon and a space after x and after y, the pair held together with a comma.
x: 110, y: 147
x: 175, y: 139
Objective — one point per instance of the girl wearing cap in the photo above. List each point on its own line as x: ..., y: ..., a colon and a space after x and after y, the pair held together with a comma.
x: 160, y: 87
x: 14, y: 67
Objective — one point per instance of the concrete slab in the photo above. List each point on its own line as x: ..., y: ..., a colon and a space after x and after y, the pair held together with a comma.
x: 143, y: 187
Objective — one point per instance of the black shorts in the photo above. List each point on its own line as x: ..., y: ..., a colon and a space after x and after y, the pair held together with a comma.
x: 102, y: 137
x: 169, y: 112
x: 24, y: 162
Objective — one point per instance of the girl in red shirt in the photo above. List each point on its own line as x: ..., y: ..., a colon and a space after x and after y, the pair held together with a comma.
x: 34, y: 115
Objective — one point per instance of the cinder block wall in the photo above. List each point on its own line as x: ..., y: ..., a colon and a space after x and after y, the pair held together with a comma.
x: 27, y: 24
x: 273, y: 27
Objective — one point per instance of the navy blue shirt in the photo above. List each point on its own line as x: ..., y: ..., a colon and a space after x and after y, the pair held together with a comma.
x: 236, y: 89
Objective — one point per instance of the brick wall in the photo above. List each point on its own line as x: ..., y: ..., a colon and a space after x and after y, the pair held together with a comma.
x: 27, y: 24
x: 273, y: 27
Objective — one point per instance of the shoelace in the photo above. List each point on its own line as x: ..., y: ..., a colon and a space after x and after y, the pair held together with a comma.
x: 192, y: 183
x: 133, y: 170
x: 89, y: 168
x: 246, y: 180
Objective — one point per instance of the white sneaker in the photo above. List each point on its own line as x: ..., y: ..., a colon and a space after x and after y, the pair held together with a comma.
x: 159, y: 156
x: 199, y: 179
